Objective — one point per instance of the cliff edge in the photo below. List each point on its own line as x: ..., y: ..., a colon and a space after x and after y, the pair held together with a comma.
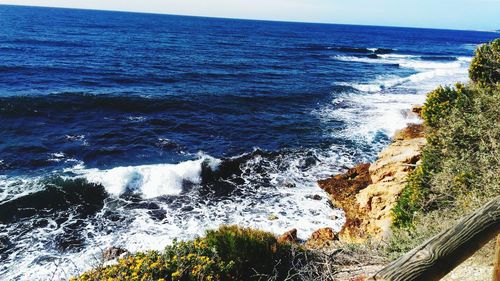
x: 368, y: 192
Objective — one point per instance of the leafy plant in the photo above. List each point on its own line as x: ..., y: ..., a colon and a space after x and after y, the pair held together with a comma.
x: 228, y: 253
x: 485, y: 67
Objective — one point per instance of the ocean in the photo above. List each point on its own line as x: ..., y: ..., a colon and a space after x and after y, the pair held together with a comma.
x: 130, y: 130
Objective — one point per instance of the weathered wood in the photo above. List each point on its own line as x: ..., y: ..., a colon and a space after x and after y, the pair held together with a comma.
x: 496, y: 269
x: 439, y: 255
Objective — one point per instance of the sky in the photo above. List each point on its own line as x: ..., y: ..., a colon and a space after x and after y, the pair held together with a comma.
x: 449, y: 14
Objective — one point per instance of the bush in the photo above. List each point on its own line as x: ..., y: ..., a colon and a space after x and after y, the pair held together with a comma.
x: 229, y: 253
x: 459, y: 170
x: 441, y: 101
x: 410, y: 201
x: 485, y: 67
x: 460, y: 167
x: 252, y: 251
x: 193, y: 260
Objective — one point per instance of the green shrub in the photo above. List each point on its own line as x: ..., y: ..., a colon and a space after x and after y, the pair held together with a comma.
x: 229, y: 253
x: 459, y: 160
x: 193, y: 260
x: 441, y: 101
x: 485, y: 67
x: 410, y: 201
x: 460, y: 168
x: 252, y: 251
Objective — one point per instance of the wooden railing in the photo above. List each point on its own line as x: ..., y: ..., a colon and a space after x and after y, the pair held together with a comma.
x: 442, y: 253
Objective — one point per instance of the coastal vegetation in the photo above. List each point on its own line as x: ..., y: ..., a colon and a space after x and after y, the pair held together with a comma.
x: 228, y: 253
x: 460, y: 167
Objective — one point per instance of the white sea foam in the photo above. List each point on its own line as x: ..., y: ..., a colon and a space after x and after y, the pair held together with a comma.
x: 56, y: 157
x: 136, y: 118
x: 15, y: 187
x: 428, y: 74
x: 368, y: 115
x: 77, y: 138
x: 381, y: 105
x: 150, y: 181
x: 288, y: 196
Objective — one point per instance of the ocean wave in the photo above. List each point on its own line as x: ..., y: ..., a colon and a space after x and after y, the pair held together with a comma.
x: 470, y: 47
x: 428, y: 72
x: 42, y: 197
x: 421, y: 81
x: 438, y: 58
x: 363, y: 50
x: 150, y: 181
x: 347, y: 49
x: 409, y: 61
x: 45, y: 42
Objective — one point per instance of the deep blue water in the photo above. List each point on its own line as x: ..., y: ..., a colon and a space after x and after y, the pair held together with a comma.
x: 114, y: 126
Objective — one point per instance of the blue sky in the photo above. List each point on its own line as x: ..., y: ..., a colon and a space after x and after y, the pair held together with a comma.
x: 453, y: 14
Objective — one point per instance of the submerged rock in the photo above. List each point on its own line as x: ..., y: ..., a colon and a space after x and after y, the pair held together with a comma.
x: 314, y: 197
x: 112, y: 253
x: 272, y: 217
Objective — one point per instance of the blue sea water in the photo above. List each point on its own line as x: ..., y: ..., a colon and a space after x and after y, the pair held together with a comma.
x: 131, y: 129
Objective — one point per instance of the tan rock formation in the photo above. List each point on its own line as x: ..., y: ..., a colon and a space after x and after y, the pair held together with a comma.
x: 367, y: 193
x: 321, y: 238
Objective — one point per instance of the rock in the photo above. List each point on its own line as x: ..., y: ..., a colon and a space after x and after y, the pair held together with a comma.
x: 314, y: 197
x: 343, y: 186
x: 289, y: 184
x: 343, y: 189
x: 112, y: 253
x: 322, y: 238
x: 324, y: 234
x: 272, y: 217
x: 417, y: 109
x: 411, y: 131
x: 289, y: 236
x: 335, y: 217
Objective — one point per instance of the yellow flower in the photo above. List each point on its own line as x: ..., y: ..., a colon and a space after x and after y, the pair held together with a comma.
x: 176, y: 274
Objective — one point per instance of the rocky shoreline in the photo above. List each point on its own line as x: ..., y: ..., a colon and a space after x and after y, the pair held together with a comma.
x: 368, y: 192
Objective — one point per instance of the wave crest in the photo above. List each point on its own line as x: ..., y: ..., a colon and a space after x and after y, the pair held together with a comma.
x: 150, y: 181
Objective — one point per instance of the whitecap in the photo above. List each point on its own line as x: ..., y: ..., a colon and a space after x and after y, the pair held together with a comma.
x: 56, y: 157
x: 150, y: 181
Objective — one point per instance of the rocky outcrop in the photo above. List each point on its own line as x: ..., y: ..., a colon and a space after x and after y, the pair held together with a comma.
x: 343, y: 189
x: 367, y: 193
x: 321, y: 238
x: 288, y: 237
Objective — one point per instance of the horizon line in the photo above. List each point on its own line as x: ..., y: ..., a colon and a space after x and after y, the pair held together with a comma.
x: 247, y: 19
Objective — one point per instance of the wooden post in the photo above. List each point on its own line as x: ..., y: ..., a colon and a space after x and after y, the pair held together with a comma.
x: 439, y: 255
x: 496, y: 269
